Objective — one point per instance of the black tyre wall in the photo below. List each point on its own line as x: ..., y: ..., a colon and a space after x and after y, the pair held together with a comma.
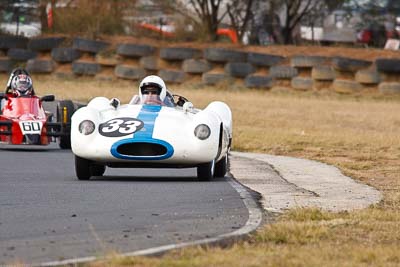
x: 350, y: 64
x: 239, y: 69
x: 135, y: 50
x: 259, y: 81
x: 40, y: 66
x: 388, y: 65
x: 129, y: 72
x: 214, y: 78
x: 19, y: 54
x: 87, y: 45
x: 179, y: 53
x: 6, y: 65
x: 9, y: 41
x: 172, y: 76
x: 283, y: 72
x: 65, y: 55
x: 264, y: 60
x: 301, y: 61
x: 85, y: 68
x: 44, y: 44
x: 196, y: 66
x: 224, y: 55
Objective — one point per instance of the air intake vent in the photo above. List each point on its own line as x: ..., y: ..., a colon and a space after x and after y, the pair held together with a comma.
x: 142, y: 149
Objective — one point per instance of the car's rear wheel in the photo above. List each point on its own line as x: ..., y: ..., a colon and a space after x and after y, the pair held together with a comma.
x: 221, y: 167
x: 98, y: 170
x: 82, y: 168
x: 65, y: 109
x: 205, y: 171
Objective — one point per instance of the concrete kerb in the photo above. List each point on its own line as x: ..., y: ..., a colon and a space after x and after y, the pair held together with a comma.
x: 286, y: 182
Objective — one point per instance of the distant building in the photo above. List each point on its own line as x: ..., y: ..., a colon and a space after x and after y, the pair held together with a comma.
x: 20, y: 18
x: 367, y: 21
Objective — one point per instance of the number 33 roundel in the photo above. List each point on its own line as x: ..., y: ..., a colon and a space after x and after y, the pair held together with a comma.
x: 120, y: 126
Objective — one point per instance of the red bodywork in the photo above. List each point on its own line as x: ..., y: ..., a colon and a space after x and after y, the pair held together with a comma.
x: 23, y: 114
x: 228, y: 32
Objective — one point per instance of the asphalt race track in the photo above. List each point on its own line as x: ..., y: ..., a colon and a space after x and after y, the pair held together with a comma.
x: 46, y: 214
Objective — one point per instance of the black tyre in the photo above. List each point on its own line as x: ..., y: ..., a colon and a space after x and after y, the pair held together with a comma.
x: 97, y: 170
x: 197, y: 66
x: 205, y: 171
x: 224, y: 55
x: 85, y: 68
x: 350, y: 64
x: 40, y: 66
x: 129, y: 72
x: 388, y: 65
x: 172, y: 76
x: 65, y: 55
x: 214, y: 78
x: 10, y: 41
x: 87, y: 45
x: 301, y: 61
x: 135, y: 50
x: 44, y: 44
x: 20, y: 54
x: 6, y: 65
x: 221, y: 167
x: 264, y: 60
x: 239, y: 69
x: 82, y: 168
x: 179, y: 53
x: 283, y: 72
x: 259, y: 81
x: 65, y: 109
x: 149, y: 63
x: 302, y: 83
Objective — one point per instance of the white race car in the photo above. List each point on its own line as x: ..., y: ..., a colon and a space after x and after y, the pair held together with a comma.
x: 108, y: 134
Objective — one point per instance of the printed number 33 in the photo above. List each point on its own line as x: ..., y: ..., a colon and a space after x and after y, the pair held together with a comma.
x: 124, y: 127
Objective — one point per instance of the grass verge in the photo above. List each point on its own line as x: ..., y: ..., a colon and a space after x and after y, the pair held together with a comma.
x: 358, y: 134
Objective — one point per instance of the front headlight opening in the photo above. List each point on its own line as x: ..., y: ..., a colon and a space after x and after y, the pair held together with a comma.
x: 202, y: 131
x: 86, y: 127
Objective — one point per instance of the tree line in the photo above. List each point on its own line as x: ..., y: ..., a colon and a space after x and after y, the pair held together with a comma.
x: 257, y: 20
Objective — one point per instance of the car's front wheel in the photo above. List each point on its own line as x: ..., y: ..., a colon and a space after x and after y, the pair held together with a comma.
x: 82, y: 168
x: 221, y: 167
x: 205, y: 171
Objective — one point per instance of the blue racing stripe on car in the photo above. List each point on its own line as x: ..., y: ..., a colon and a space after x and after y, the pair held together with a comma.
x: 148, y: 115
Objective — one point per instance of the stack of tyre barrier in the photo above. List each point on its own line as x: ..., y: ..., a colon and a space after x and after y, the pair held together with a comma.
x: 101, y: 60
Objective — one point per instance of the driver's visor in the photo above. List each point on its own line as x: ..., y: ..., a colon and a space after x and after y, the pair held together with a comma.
x: 153, y: 88
x: 22, y: 86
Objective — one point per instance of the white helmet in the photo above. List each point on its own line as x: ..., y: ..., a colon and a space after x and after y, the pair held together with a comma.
x: 153, y: 81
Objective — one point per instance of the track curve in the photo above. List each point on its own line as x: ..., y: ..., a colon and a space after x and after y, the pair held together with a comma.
x: 46, y: 214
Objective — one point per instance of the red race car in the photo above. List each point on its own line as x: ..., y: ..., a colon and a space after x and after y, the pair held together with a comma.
x: 23, y: 120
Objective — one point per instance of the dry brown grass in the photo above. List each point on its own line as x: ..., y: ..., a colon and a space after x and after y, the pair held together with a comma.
x: 358, y: 134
